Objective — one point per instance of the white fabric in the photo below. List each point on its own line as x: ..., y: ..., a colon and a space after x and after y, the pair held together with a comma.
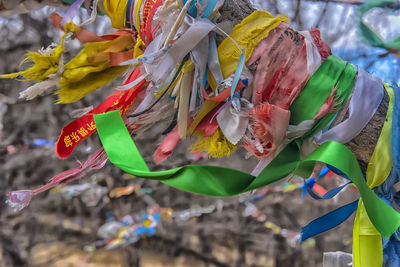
x: 160, y: 70
x: 313, y: 55
x: 200, y: 63
x: 233, y: 125
x: 368, y: 95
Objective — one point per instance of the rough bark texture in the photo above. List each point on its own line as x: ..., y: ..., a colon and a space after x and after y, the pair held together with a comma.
x: 236, y: 10
x: 363, y: 145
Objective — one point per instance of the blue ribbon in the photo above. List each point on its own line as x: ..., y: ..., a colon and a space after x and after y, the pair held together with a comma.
x: 330, y: 194
x: 192, y: 11
x: 238, y: 72
x: 128, y: 17
x: 209, y: 9
x: 311, y: 181
x: 328, y: 221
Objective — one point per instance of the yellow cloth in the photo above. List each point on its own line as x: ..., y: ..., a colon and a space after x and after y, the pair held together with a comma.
x: 44, y: 64
x: 216, y: 145
x: 115, y: 10
x: 367, y: 242
x: 90, y: 70
x: 247, y: 34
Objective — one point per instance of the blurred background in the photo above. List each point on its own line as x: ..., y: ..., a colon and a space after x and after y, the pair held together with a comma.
x: 87, y: 222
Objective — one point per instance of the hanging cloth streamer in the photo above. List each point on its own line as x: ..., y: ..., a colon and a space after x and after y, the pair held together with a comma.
x: 247, y: 34
x: 328, y: 221
x: 80, y: 129
x: 368, y: 95
x: 367, y: 241
x: 116, y: 10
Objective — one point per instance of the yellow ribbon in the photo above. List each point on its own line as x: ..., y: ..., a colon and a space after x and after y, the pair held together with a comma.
x: 247, y: 34
x: 138, y: 5
x: 367, y: 242
x: 115, y: 10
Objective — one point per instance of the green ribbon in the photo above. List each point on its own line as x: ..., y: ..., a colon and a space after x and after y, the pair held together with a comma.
x: 369, y: 35
x: 333, y: 74
x: 220, y: 181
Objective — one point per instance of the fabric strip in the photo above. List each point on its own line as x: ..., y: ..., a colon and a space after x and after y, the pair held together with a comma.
x: 368, y: 95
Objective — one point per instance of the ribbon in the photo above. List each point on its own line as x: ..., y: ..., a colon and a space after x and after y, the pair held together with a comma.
x: 368, y: 94
x: 328, y: 221
x: 330, y: 194
x: 219, y: 181
x: 115, y: 10
x: 367, y: 242
x: 247, y: 34
x: 149, y: 10
x: 80, y: 129
x: 168, y: 61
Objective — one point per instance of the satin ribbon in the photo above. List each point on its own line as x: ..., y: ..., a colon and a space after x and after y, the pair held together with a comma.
x: 368, y: 94
x: 213, y: 60
x: 328, y: 221
x: 80, y: 129
x: 367, y: 241
x: 219, y: 181
x: 333, y: 71
x: 330, y: 194
x: 232, y: 123
x: 128, y: 14
x: 208, y: 10
x: 311, y: 181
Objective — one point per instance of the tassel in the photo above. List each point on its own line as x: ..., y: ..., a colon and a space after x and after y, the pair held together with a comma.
x: 268, y: 124
x: 217, y: 146
x: 90, y: 70
x: 45, y: 62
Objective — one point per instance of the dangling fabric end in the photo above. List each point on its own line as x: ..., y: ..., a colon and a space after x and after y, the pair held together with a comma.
x: 37, y: 89
x: 328, y: 221
x: 90, y: 69
x: 73, y: 91
x: 45, y: 62
x: 268, y: 124
x: 217, y: 146
x: 20, y: 199
x: 328, y: 106
x: 17, y: 200
x: 167, y: 146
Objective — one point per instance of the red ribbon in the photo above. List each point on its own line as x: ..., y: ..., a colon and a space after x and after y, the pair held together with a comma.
x: 149, y: 9
x: 81, y: 128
